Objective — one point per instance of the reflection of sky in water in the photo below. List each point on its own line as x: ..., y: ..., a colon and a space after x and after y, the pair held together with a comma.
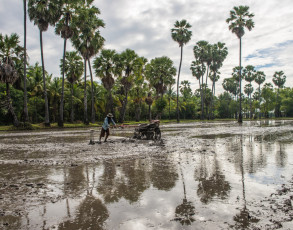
x: 205, y: 165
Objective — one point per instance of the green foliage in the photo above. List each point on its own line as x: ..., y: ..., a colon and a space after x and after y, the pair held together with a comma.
x: 180, y: 32
x: 160, y: 104
x: 269, y: 100
x: 287, y: 101
x: 160, y: 73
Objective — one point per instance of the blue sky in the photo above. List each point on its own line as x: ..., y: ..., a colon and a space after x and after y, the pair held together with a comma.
x: 145, y: 27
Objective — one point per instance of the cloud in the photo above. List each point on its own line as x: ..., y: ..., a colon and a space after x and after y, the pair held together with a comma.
x: 144, y: 26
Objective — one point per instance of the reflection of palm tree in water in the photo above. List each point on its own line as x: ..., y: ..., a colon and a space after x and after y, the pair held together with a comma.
x: 243, y: 219
x: 91, y: 214
x: 184, y: 212
x: 211, y: 184
x: 128, y: 179
x: 281, y: 156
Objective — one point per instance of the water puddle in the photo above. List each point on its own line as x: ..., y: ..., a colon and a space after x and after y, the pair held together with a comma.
x: 206, y: 176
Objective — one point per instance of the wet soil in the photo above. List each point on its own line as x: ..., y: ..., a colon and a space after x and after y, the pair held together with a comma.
x: 218, y: 175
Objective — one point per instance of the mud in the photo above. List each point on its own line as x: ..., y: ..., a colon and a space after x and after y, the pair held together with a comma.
x: 218, y: 175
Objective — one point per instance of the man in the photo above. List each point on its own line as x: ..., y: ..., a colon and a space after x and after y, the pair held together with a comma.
x: 105, y: 127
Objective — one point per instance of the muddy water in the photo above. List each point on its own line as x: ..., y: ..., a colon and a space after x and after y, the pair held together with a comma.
x: 201, y: 176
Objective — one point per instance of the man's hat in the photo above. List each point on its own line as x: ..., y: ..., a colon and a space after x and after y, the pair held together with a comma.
x: 109, y: 115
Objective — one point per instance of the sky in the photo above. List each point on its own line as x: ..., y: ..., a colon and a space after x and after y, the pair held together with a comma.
x: 145, y: 27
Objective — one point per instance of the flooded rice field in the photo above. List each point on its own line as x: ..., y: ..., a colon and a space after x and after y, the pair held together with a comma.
x: 218, y: 175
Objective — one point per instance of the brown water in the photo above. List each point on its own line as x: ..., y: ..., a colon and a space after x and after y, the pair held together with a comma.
x: 201, y: 176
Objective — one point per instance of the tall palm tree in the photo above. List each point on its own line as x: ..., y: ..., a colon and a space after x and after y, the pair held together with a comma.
x: 10, y: 53
x: 279, y: 80
x: 249, y: 75
x: 105, y: 69
x: 239, y: 19
x: 160, y: 73
x: 200, y: 54
x: 25, y: 110
x: 88, y: 41
x: 219, y: 54
x: 259, y: 79
x: 44, y: 13
x: 129, y: 66
x: 197, y: 71
x: 64, y: 28
x: 73, y: 69
x: 182, y: 35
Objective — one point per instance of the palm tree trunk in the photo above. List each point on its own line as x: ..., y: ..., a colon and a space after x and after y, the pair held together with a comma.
x: 61, y: 121
x: 123, y: 110
x: 72, y: 106
x: 47, y: 120
x: 259, y: 115
x: 137, y: 113
x: 169, y: 108
x: 240, y: 98
x: 85, y: 97
x: 10, y: 107
x: 177, y: 109
x: 201, y: 95
x: 150, y: 113
x: 250, y: 104
x: 25, y: 110
x: 109, y: 107
x: 93, y: 114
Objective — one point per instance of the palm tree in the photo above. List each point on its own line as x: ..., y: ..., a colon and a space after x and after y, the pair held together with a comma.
x: 219, y: 54
x: 259, y: 79
x: 171, y: 95
x: 105, y: 69
x: 88, y: 41
x: 160, y: 73
x: 248, y: 89
x: 10, y: 53
x: 54, y: 90
x: 149, y: 101
x: 129, y: 66
x: 200, y: 54
x: 249, y: 75
x: 182, y: 35
x: 240, y: 19
x: 197, y: 71
x: 64, y: 28
x: 279, y: 80
x: 139, y: 90
x: 73, y: 69
x: 44, y: 13
x: 25, y: 111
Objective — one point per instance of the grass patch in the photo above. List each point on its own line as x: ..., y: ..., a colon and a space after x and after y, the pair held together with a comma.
x: 41, y: 126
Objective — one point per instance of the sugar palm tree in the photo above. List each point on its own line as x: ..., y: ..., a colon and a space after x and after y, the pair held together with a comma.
x: 249, y: 75
x: 129, y: 65
x: 239, y: 19
x: 25, y: 110
x: 10, y: 53
x: 200, y: 54
x: 88, y: 41
x: 279, y: 80
x: 182, y: 35
x: 44, y: 13
x: 219, y: 54
x: 64, y: 28
x: 105, y: 69
x: 73, y: 69
x: 259, y: 79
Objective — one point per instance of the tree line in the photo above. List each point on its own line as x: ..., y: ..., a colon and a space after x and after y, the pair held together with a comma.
x: 132, y: 87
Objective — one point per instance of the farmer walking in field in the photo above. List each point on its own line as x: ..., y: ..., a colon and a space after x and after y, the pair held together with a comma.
x: 106, y: 127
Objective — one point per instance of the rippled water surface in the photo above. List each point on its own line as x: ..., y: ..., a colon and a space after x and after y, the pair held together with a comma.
x: 218, y: 175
